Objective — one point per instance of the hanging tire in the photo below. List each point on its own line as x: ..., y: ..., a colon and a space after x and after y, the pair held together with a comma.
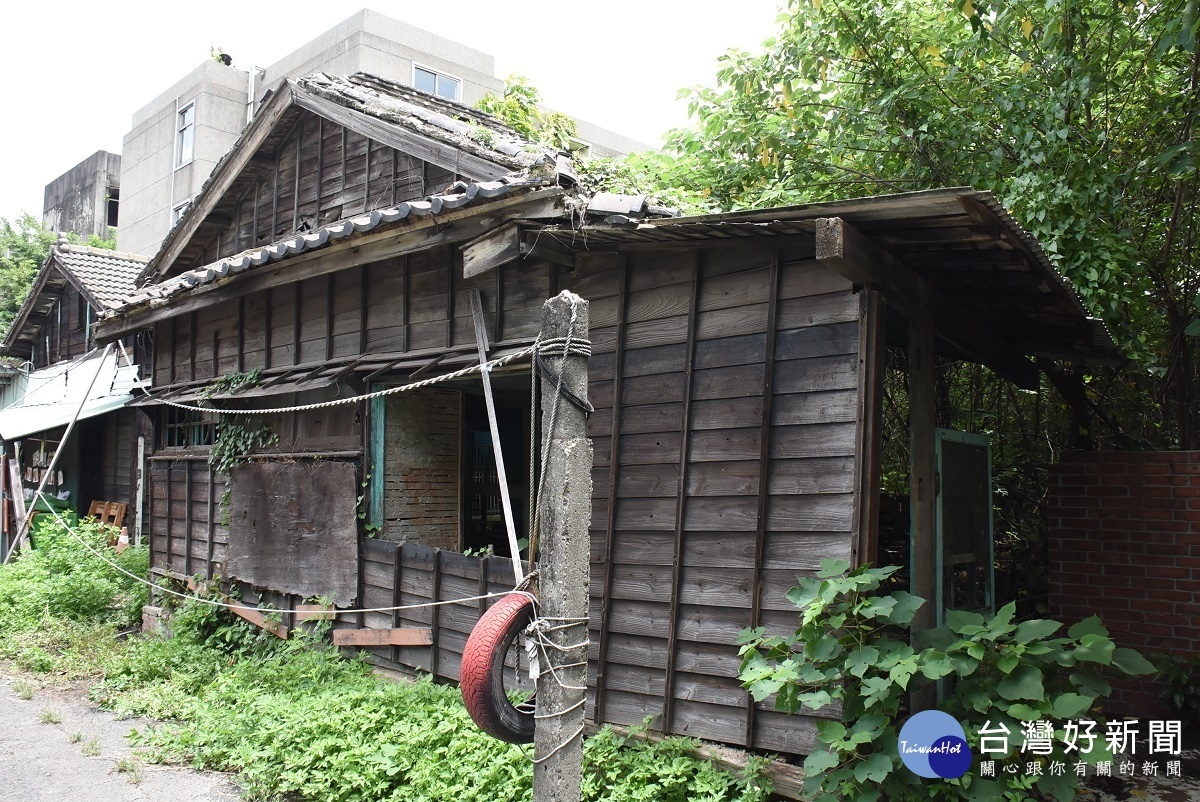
x: 482, y: 673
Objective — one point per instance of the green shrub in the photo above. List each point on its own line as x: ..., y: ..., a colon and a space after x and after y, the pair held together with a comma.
x: 851, y: 647
x: 297, y: 719
x: 62, y: 580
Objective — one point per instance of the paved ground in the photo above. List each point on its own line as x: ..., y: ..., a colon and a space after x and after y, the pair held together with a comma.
x: 84, y: 757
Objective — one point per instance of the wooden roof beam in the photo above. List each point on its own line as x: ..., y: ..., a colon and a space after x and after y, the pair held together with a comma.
x: 845, y: 250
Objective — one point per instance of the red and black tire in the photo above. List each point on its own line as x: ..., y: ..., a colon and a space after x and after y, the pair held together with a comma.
x: 482, y: 673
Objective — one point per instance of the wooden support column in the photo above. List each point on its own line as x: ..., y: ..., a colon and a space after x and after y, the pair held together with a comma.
x: 435, y: 617
x: 922, y: 423
x: 681, y: 498
x: 867, y: 468
x: 566, y: 512
x: 764, y: 469
x: 611, y: 523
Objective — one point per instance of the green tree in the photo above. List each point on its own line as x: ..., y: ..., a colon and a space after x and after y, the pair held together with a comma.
x: 660, y: 175
x: 519, y: 108
x: 24, y: 246
x: 1078, y: 115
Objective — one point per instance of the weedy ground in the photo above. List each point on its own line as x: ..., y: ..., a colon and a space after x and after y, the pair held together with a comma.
x: 291, y: 719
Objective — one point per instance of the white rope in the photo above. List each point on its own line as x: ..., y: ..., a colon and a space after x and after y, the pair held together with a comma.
x: 231, y: 606
x: 458, y: 374
x: 559, y: 748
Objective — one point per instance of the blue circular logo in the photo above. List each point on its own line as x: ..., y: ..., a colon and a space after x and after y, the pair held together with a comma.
x: 933, y: 745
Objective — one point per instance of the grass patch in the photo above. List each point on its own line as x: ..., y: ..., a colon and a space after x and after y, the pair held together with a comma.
x: 295, y: 719
x: 75, y: 737
x: 131, y: 768
x: 50, y: 716
x: 23, y: 689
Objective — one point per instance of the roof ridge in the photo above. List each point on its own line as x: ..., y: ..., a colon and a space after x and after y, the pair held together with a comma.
x: 71, y: 247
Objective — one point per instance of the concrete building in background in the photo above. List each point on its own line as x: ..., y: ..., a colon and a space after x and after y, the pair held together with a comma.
x: 178, y: 137
x: 84, y: 199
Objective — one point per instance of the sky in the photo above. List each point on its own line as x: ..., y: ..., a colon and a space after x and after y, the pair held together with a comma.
x: 78, y: 71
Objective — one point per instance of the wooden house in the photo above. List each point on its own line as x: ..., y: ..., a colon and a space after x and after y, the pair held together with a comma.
x: 66, y: 377
x: 735, y: 375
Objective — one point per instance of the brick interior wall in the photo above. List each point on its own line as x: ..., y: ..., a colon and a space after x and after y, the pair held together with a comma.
x: 1125, y: 545
x: 422, y: 458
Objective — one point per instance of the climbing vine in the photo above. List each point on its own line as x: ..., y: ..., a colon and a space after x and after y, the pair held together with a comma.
x: 230, y: 383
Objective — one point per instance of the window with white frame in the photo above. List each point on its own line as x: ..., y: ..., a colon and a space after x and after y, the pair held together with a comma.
x: 179, y: 210
x: 185, y: 134
x: 437, y: 83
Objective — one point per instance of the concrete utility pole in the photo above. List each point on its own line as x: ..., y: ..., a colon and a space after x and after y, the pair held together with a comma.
x: 565, y: 514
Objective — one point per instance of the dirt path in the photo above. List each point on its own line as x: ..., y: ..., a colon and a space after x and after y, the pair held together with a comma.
x: 59, y: 747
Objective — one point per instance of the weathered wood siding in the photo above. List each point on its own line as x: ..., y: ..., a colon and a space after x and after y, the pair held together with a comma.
x: 727, y: 423
x: 64, y: 336
x: 187, y: 527
x: 319, y: 172
x: 120, y: 458
x: 726, y: 467
x: 395, y: 574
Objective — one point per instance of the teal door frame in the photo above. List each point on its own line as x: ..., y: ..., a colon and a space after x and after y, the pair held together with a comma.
x: 944, y: 580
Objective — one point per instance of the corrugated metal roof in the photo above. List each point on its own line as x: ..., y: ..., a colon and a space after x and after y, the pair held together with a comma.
x: 960, y: 240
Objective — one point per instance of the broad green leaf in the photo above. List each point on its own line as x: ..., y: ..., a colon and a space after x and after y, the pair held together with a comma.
x: 1094, y: 649
x: 937, y: 665
x: 820, y: 762
x: 1007, y: 663
x: 831, y: 568
x: 858, y: 661
x: 1131, y: 662
x: 830, y: 731
x: 1088, y: 626
x: 875, y: 768
x: 906, y: 607
x: 1023, y: 683
x: 1071, y: 705
x: 958, y: 619
x: 1091, y: 683
x: 1036, y: 629
x: 878, y: 608
x: 1023, y: 712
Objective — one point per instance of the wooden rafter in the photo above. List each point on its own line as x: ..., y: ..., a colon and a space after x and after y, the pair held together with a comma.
x: 844, y: 249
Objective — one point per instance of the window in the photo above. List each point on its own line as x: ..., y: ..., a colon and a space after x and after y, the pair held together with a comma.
x: 436, y: 83
x: 578, y: 147
x: 179, y: 210
x: 185, y: 134
x: 113, y: 202
x: 185, y: 428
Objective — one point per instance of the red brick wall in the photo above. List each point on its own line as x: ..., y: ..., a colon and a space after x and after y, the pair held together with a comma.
x: 1125, y: 545
x: 422, y: 458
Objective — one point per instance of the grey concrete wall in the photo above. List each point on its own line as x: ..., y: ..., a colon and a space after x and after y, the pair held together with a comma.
x: 366, y: 41
x: 371, y: 42
x: 151, y: 185
x: 77, y: 200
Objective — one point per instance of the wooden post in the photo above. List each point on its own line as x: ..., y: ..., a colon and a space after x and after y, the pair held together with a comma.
x: 922, y: 422
x: 565, y: 507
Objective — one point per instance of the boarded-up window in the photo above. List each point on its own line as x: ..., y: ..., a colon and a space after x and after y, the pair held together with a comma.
x: 293, y: 528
